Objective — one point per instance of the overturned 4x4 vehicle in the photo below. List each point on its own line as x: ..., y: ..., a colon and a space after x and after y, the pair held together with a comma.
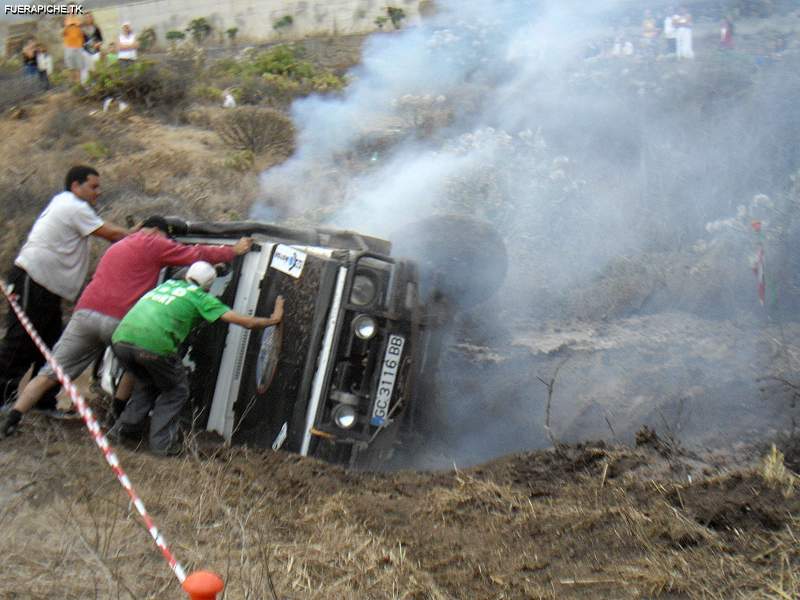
x: 342, y: 374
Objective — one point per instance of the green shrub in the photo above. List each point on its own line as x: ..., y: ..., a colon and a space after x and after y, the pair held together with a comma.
x: 231, y: 33
x: 96, y: 150
x: 381, y: 21
x: 145, y: 82
x: 147, y: 39
x: 240, y: 160
x: 205, y: 92
x: 275, y: 76
x: 283, y: 23
x: 175, y: 36
x: 200, y: 29
x: 396, y: 15
x: 280, y: 60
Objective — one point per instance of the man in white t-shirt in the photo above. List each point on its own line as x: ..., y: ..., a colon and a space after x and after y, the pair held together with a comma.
x: 52, y: 265
x: 670, y: 33
x: 127, y: 45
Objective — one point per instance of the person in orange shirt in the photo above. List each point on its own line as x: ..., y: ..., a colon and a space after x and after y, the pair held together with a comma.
x: 73, y: 45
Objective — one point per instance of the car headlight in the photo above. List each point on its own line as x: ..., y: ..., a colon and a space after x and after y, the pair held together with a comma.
x: 364, y: 290
x: 364, y: 327
x: 344, y: 416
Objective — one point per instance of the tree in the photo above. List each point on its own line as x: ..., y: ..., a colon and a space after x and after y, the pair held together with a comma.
x: 200, y: 29
x: 147, y: 39
x: 396, y: 15
x: 174, y: 36
x: 231, y: 33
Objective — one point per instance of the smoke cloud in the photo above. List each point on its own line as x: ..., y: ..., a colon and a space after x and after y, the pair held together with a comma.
x: 588, y: 166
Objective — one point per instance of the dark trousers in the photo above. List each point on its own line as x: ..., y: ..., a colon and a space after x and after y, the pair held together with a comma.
x: 161, y: 386
x: 17, y: 350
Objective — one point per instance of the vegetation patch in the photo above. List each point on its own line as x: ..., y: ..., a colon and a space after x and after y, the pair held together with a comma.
x: 255, y: 129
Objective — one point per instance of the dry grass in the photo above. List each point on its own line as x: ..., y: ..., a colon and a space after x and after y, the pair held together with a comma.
x: 277, y: 526
x: 776, y: 474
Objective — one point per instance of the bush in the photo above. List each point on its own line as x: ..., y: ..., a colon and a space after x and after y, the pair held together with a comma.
x: 396, y: 15
x: 276, y: 76
x: 174, y: 36
x: 208, y: 93
x: 147, y: 39
x: 240, y: 160
x: 283, y: 23
x: 200, y: 29
x: 281, y: 60
x: 256, y: 130
x: 145, y: 83
x: 96, y: 150
x: 66, y: 124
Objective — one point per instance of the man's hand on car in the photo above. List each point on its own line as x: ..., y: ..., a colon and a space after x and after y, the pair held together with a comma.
x: 277, y: 313
x: 243, y: 246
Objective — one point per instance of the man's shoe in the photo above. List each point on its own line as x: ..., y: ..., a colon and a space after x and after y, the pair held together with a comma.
x: 174, y: 449
x: 9, y: 424
x: 118, y: 435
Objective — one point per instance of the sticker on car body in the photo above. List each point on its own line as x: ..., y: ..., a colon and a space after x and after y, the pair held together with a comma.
x: 288, y: 260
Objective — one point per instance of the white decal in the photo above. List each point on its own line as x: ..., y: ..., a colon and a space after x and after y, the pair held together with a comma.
x: 288, y: 260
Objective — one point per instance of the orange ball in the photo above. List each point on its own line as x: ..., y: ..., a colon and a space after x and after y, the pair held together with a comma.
x: 203, y: 585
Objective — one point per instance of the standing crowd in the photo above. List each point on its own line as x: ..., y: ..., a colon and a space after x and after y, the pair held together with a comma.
x: 120, y: 307
x: 84, y: 48
x: 670, y: 35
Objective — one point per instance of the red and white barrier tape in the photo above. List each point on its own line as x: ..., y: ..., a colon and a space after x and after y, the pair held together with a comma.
x: 97, y: 434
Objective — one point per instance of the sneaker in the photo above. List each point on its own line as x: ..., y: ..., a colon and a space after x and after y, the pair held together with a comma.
x: 9, y: 425
x: 174, y: 449
x: 118, y: 435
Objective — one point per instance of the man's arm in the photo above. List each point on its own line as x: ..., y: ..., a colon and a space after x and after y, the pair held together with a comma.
x: 256, y: 322
x: 110, y: 232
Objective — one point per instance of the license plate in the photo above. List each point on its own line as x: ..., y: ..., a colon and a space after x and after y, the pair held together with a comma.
x: 389, y: 369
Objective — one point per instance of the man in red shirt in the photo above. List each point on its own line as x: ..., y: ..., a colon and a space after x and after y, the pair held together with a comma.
x: 127, y: 271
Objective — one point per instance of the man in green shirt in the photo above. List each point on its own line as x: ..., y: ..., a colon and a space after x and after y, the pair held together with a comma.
x: 147, y: 341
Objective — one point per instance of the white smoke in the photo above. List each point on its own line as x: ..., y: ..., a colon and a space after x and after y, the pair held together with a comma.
x: 497, y: 109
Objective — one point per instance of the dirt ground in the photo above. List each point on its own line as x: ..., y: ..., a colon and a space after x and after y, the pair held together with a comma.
x: 589, y: 521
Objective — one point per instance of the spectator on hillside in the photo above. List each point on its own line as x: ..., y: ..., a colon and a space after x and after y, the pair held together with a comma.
x: 51, y: 266
x: 29, y: 57
x: 622, y: 47
x: 111, y: 55
x: 91, y: 47
x: 649, y: 33
x: 669, y: 30
x: 147, y: 342
x: 44, y: 65
x: 683, y: 35
x: 73, y: 45
x: 127, y: 45
x: 726, y: 34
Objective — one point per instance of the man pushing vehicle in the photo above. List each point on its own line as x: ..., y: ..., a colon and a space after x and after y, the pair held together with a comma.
x: 147, y: 341
x: 127, y: 270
